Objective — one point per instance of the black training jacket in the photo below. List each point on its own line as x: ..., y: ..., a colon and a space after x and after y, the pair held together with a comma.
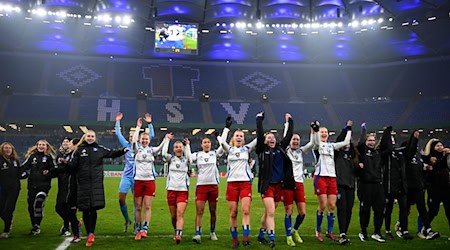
x: 414, y: 165
x: 344, y: 164
x: 35, y: 164
x: 371, y: 158
x: 87, y: 161
x: 10, y: 172
x: 265, y: 158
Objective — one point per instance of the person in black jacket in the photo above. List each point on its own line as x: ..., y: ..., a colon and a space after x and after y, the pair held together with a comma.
x: 435, y: 155
x: 61, y: 206
x: 370, y: 184
x: 416, y: 186
x: 10, y: 172
x: 395, y: 187
x: 275, y: 173
x: 40, y: 168
x: 87, y: 162
x: 70, y: 197
x: 346, y: 161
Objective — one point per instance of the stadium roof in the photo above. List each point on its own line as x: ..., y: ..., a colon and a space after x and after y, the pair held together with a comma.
x: 306, y: 31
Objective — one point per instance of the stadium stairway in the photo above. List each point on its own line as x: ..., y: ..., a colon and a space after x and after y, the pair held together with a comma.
x: 408, y: 110
x: 206, y: 110
x: 331, y: 114
x: 270, y: 116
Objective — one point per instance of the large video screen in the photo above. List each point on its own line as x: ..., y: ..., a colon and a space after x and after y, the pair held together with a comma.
x: 175, y: 37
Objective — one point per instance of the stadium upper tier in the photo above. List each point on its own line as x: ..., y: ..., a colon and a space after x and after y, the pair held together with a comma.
x: 68, y: 89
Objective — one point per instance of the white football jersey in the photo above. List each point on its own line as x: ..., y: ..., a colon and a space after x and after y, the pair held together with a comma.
x: 178, y: 178
x: 325, y: 164
x: 238, y: 167
x: 144, y: 158
x: 207, y: 171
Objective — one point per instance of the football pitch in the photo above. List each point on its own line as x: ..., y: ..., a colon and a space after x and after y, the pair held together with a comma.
x: 110, y: 235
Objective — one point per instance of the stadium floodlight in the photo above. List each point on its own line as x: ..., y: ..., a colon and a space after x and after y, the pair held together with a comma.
x: 259, y: 25
x: 210, y: 131
x: 40, y: 12
x: 196, y: 131
x: 380, y: 20
x: 294, y: 25
x: 127, y: 20
x: 354, y: 24
x: 13, y: 126
x: 118, y: 19
x: 315, y: 25
x: 364, y: 22
x: 84, y: 129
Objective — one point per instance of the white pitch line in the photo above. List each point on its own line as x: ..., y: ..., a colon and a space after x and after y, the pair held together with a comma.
x: 65, y: 244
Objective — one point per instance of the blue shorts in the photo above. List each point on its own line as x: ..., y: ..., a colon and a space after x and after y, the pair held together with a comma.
x: 126, y: 183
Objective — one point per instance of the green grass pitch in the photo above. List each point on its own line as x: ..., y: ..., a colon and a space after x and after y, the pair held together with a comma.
x: 110, y: 235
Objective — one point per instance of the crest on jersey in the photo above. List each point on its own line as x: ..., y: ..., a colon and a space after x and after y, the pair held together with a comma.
x: 296, y: 157
x: 144, y: 156
x: 206, y: 159
x: 178, y: 165
x: 238, y: 154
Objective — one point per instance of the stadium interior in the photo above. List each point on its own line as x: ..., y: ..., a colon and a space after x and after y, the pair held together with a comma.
x: 68, y: 66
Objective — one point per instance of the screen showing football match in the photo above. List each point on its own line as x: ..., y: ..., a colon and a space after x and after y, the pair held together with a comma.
x: 174, y: 37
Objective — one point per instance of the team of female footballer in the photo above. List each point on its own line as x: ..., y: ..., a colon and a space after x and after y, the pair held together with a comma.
x: 383, y: 173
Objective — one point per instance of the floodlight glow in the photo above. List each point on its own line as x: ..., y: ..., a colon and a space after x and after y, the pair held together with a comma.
x: 259, y: 25
x: 380, y: 20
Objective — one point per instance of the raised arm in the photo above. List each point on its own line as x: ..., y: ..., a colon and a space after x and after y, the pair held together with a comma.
x: 259, y: 133
x: 136, y: 133
x: 411, y: 145
x: 223, y: 137
x: 290, y: 131
x: 386, y: 146
x: 308, y: 146
x: 164, y: 143
x: 187, y: 151
x: 151, y: 130
x: 119, y: 135
x: 348, y: 137
x: 165, y: 147
x: 362, y: 137
x: 251, y: 145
